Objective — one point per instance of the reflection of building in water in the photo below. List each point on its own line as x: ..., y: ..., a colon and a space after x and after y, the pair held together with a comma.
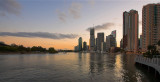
x: 103, y: 47
x: 80, y: 56
x: 95, y: 63
x: 118, y: 66
x: 83, y: 62
x: 128, y: 66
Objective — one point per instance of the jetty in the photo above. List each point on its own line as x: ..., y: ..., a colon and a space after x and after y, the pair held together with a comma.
x: 150, y: 62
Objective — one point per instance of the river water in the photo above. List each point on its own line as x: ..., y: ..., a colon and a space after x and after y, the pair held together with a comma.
x: 72, y: 67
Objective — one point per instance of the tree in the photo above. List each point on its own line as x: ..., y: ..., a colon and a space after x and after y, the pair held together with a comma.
x: 151, y: 48
x: 3, y: 44
x: 151, y: 51
x: 28, y: 49
x: 20, y: 48
x: 14, y: 45
x: 52, y: 50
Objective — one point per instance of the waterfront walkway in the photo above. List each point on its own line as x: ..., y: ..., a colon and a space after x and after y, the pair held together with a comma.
x: 154, y: 62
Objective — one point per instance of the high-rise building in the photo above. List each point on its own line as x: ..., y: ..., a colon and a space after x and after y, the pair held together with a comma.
x: 140, y: 42
x: 150, y: 25
x: 76, y: 48
x: 121, y: 43
x: 107, y: 43
x: 80, y: 43
x: 85, y: 46
x: 96, y: 45
x: 92, y: 40
x: 100, y: 39
x: 130, y: 30
x: 113, y: 33
x: 132, y: 44
x: 125, y: 28
x: 110, y: 42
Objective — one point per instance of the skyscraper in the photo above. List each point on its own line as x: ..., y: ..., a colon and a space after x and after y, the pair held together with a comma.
x: 107, y: 43
x: 140, y: 42
x: 80, y: 43
x: 92, y: 40
x: 96, y: 45
x: 130, y: 30
x: 125, y: 28
x: 132, y: 44
x: 85, y: 46
x: 150, y: 25
x: 76, y: 48
x: 110, y: 42
x: 121, y: 43
x: 113, y: 33
x: 100, y: 39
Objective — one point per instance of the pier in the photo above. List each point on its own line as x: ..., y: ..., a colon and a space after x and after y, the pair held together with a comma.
x: 154, y: 62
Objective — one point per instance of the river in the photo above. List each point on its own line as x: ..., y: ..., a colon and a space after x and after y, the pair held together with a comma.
x: 72, y: 67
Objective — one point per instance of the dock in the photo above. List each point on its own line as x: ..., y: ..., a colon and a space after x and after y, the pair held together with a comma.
x: 150, y: 62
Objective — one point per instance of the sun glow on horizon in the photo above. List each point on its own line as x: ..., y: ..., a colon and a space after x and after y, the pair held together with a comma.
x: 46, y: 43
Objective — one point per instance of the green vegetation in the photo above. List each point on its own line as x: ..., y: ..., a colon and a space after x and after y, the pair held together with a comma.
x: 152, y: 51
x: 20, y: 48
x: 51, y: 50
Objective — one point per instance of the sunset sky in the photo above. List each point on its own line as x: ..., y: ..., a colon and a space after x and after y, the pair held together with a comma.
x: 59, y: 23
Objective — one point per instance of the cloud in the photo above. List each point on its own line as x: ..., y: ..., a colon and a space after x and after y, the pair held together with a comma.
x: 75, y: 10
x: 92, y: 2
x: 62, y: 16
x: 2, y: 14
x: 9, y: 7
x: 40, y: 35
x: 102, y: 27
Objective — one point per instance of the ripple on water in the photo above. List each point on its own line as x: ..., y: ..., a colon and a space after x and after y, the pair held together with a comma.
x: 71, y: 67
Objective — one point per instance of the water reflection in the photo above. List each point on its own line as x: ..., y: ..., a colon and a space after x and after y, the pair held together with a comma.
x: 96, y: 64
x: 118, y: 66
x: 77, y: 67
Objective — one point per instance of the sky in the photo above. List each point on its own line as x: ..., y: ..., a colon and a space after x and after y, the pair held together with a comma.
x: 59, y: 23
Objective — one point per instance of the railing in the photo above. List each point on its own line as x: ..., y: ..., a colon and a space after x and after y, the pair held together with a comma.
x: 154, y: 62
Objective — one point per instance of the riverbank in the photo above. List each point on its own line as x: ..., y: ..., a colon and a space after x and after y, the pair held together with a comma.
x: 15, y: 53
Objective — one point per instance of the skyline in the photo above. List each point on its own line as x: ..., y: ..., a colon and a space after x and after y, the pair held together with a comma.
x: 71, y: 18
